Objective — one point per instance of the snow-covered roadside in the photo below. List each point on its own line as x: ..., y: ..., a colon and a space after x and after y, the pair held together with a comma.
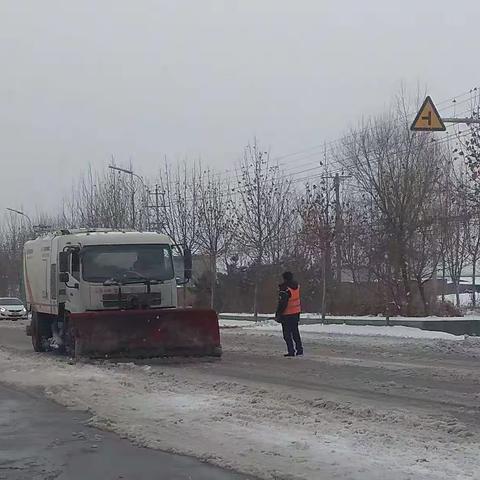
x: 270, y: 434
x: 362, y: 330
x: 224, y: 323
x: 318, y: 316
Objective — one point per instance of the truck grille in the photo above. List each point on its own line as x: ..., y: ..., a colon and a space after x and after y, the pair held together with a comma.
x: 110, y: 300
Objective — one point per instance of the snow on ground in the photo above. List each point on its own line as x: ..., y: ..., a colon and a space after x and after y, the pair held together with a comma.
x: 363, y: 330
x: 368, y: 330
x: 366, y: 318
x: 226, y: 323
x: 465, y: 299
x: 241, y: 428
x: 303, y: 429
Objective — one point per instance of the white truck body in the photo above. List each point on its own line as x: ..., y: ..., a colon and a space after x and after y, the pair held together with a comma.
x: 45, y: 293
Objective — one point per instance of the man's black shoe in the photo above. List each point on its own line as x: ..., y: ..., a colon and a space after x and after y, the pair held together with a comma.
x: 288, y: 354
x: 299, y: 354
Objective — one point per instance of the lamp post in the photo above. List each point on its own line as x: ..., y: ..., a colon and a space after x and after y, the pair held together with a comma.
x: 132, y: 174
x: 20, y: 279
x: 18, y: 212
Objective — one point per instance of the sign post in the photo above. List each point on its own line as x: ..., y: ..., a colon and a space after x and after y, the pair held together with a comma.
x: 428, y: 119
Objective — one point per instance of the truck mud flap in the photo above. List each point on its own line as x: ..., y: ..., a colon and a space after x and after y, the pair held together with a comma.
x: 146, y: 333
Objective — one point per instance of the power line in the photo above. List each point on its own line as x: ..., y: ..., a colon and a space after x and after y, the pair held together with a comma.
x: 233, y: 192
x: 346, y: 137
x: 316, y: 165
x: 331, y: 142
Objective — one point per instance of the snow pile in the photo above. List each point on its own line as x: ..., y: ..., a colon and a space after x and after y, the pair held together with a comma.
x: 368, y: 330
x: 234, y: 323
x: 361, y: 330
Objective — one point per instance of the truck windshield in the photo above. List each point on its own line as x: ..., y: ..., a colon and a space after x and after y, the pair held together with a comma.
x: 105, y: 262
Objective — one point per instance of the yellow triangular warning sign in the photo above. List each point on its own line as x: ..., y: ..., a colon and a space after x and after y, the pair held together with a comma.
x: 428, y: 118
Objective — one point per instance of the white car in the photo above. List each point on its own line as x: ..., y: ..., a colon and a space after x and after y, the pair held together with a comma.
x: 12, y: 309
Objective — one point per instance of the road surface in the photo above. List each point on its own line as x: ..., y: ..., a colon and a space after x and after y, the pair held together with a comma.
x: 43, y: 441
x: 354, y: 407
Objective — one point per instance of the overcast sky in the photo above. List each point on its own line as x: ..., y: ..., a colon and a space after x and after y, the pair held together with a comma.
x: 140, y: 79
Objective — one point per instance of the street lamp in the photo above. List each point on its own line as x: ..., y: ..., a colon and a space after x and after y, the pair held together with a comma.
x: 132, y: 174
x: 18, y: 212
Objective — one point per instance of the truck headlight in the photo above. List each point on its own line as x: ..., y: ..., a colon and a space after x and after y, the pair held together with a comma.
x: 3, y: 309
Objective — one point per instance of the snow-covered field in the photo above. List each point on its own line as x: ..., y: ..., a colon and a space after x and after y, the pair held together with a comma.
x: 357, y: 406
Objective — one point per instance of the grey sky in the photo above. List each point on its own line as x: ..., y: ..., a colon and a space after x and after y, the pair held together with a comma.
x: 81, y: 80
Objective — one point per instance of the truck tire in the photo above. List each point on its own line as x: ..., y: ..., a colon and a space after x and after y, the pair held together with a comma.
x: 38, y: 330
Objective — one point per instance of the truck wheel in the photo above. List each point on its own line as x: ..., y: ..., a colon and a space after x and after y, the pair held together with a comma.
x: 37, y: 329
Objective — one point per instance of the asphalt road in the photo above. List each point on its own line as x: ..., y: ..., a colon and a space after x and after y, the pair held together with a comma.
x: 418, y: 375
x: 40, y: 440
x: 365, y: 387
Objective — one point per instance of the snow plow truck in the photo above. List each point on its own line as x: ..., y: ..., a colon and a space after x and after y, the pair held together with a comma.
x: 108, y: 293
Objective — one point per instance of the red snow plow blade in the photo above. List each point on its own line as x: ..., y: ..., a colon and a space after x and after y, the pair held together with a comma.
x: 146, y: 333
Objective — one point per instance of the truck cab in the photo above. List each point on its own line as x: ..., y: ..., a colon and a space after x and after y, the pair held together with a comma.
x: 99, y: 270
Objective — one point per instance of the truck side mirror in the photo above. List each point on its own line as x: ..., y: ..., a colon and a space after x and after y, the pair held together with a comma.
x: 63, y: 262
x: 63, y: 277
x: 187, y: 262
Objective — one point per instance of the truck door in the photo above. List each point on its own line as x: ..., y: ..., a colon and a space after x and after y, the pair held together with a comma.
x: 72, y: 287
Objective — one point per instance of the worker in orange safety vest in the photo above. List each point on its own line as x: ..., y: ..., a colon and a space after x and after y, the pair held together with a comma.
x: 288, y: 314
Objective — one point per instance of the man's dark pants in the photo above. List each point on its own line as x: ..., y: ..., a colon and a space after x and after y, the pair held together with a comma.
x: 291, y: 334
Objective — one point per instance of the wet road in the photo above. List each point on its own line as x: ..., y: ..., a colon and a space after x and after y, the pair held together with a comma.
x: 42, y: 441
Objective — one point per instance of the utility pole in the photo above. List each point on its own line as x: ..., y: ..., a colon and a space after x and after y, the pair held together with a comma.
x: 132, y: 186
x: 326, y: 233
x: 324, y: 286
x: 337, y: 179
x: 157, y: 208
x: 338, y: 229
x: 147, y: 211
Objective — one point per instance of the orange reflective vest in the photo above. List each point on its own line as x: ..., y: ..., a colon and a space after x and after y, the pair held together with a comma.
x: 293, y: 305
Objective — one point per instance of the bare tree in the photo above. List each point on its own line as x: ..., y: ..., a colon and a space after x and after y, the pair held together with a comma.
x: 425, y: 251
x: 102, y: 199
x: 398, y: 170
x: 318, y: 229
x: 15, y: 232
x: 468, y: 150
x: 357, y: 241
x: 218, y: 222
x: 455, y: 224
x: 179, y: 211
x: 263, y: 210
